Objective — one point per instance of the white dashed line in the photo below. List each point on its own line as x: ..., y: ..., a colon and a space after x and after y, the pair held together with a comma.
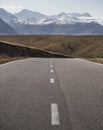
x: 52, y: 80
x: 54, y: 114
x: 51, y: 71
x: 51, y: 65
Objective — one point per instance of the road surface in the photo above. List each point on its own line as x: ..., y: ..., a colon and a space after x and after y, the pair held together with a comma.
x: 51, y: 94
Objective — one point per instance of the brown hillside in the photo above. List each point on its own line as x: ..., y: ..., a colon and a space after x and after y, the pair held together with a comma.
x: 79, y: 46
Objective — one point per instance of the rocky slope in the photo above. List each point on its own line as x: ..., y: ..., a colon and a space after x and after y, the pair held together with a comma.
x: 22, y: 51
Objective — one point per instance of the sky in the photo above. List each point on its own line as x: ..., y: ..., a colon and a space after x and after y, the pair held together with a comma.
x: 51, y: 7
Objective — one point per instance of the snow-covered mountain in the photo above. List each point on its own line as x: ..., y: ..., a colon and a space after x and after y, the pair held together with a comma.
x: 81, y: 15
x: 27, y: 14
x: 30, y: 22
x: 35, y: 18
x: 6, y: 16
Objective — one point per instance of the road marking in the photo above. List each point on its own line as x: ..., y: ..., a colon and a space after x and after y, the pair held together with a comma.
x: 54, y: 114
x: 52, y: 80
x: 51, y: 71
x: 51, y: 65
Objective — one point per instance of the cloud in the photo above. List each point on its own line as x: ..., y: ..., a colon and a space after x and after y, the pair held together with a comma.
x: 12, y: 9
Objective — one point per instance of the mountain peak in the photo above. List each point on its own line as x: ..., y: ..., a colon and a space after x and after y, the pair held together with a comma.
x: 81, y: 14
x: 6, y: 16
x: 25, y: 11
x: 27, y: 14
x: 3, y: 10
x: 86, y: 14
x: 62, y: 13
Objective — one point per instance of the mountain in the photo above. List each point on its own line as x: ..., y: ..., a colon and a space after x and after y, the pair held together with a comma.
x: 27, y: 14
x: 66, y: 29
x: 76, y: 15
x: 5, y: 29
x: 81, y: 15
x: 30, y: 22
x: 36, y: 18
x: 6, y: 16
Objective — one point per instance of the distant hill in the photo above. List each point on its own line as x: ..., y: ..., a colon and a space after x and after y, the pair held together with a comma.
x: 77, y: 46
x: 54, y: 29
x: 11, y: 50
x: 5, y: 29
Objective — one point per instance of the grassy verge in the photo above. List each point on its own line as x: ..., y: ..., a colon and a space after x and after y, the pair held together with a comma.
x: 98, y: 60
x: 5, y: 59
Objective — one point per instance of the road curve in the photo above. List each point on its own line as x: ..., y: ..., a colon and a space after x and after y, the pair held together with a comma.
x: 51, y: 94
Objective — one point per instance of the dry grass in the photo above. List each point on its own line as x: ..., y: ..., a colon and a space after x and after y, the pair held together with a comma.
x: 79, y: 46
x: 98, y: 60
x: 5, y: 59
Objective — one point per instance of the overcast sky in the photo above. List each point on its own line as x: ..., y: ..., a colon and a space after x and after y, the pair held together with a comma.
x: 49, y: 7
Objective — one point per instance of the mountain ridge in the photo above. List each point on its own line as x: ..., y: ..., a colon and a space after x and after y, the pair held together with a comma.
x: 6, y: 29
x: 31, y: 22
x: 26, y: 16
x: 6, y: 16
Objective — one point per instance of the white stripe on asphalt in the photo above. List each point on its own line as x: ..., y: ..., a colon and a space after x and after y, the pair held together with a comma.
x: 52, y: 80
x: 54, y: 114
x: 51, y: 71
x: 51, y: 65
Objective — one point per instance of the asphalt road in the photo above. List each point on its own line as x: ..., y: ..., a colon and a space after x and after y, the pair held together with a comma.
x: 51, y: 94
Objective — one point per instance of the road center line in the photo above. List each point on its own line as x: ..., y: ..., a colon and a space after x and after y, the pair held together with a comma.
x: 51, y: 65
x: 54, y: 114
x: 52, y: 80
x: 51, y: 70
